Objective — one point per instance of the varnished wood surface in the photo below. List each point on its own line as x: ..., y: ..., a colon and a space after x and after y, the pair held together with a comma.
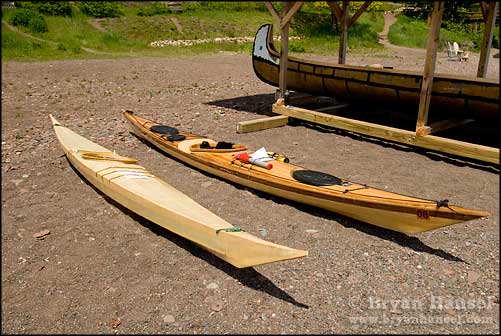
x: 379, y: 207
x: 134, y: 187
x: 477, y: 97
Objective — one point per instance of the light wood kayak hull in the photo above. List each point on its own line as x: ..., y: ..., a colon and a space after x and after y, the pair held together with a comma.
x: 452, y: 96
x: 132, y: 186
x: 378, y: 207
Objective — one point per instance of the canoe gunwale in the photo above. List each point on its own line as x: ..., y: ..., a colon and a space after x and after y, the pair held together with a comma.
x: 477, y: 97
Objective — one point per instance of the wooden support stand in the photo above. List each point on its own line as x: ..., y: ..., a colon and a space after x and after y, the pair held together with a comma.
x: 421, y: 137
x: 460, y: 148
x: 261, y: 124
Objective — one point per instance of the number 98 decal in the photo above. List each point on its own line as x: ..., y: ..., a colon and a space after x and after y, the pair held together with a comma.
x: 422, y: 214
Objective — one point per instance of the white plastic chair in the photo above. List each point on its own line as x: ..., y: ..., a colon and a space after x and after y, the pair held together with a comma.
x: 461, y: 54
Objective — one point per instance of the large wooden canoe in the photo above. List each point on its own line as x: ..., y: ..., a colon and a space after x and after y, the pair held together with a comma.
x: 382, y: 208
x: 134, y: 187
x: 456, y: 96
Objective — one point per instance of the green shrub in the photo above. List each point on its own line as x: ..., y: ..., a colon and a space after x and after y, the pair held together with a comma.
x: 155, y: 8
x: 22, y: 17
x: 297, y: 46
x: 30, y: 19
x: 228, y: 6
x: 38, y: 24
x: 60, y: 8
x: 101, y: 9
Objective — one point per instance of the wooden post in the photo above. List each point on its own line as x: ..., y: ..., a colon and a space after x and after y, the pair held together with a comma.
x: 290, y: 13
x: 284, y: 53
x: 345, y: 18
x: 485, y: 51
x: 272, y: 11
x: 429, y: 69
x: 283, y: 19
x: 484, y: 9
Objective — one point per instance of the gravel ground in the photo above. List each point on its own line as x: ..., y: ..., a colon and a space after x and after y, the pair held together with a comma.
x: 102, y: 269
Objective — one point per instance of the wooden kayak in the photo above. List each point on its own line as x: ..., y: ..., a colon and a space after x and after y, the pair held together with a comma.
x: 451, y: 96
x: 131, y: 185
x: 379, y: 207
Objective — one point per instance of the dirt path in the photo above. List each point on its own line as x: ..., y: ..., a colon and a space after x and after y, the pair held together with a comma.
x: 177, y: 24
x: 97, y: 25
x: 389, y: 20
x: 15, y: 29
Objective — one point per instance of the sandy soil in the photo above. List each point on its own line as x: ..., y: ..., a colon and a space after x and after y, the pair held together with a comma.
x: 104, y: 270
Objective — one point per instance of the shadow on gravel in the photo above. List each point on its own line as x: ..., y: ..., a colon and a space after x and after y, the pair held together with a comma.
x: 474, y: 132
x: 246, y: 276
x: 259, y: 104
x: 436, y: 156
x: 401, y: 239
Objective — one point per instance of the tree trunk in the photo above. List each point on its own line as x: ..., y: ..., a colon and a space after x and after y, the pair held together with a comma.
x: 334, y: 26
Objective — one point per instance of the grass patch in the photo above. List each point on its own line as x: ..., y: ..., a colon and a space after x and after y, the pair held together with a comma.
x: 131, y: 34
x: 317, y: 35
x: 409, y: 32
x: 196, y: 25
x: 413, y: 33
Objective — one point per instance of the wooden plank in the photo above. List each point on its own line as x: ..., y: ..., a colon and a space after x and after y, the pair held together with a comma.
x: 460, y: 148
x: 291, y: 13
x: 343, y: 39
x: 485, y: 50
x: 429, y: 67
x: 273, y: 11
x: 359, y: 12
x: 261, y: 124
x: 335, y: 9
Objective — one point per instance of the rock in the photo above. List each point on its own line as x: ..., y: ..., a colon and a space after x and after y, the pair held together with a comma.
x: 115, y: 323
x: 311, y: 231
x: 217, y: 305
x: 473, y: 276
x: 212, y: 285
x: 448, y: 271
x: 16, y: 181
x: 169, y: 319
x: 206, y: 184
x: 41, y: 235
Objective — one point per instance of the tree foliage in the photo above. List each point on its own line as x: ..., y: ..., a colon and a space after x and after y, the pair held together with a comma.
x: 454, y: 10
x: 101, y: 9
x: 60, y: 8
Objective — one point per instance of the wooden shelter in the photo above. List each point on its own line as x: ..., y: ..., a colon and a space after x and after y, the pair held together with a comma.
x: 422, y: 136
